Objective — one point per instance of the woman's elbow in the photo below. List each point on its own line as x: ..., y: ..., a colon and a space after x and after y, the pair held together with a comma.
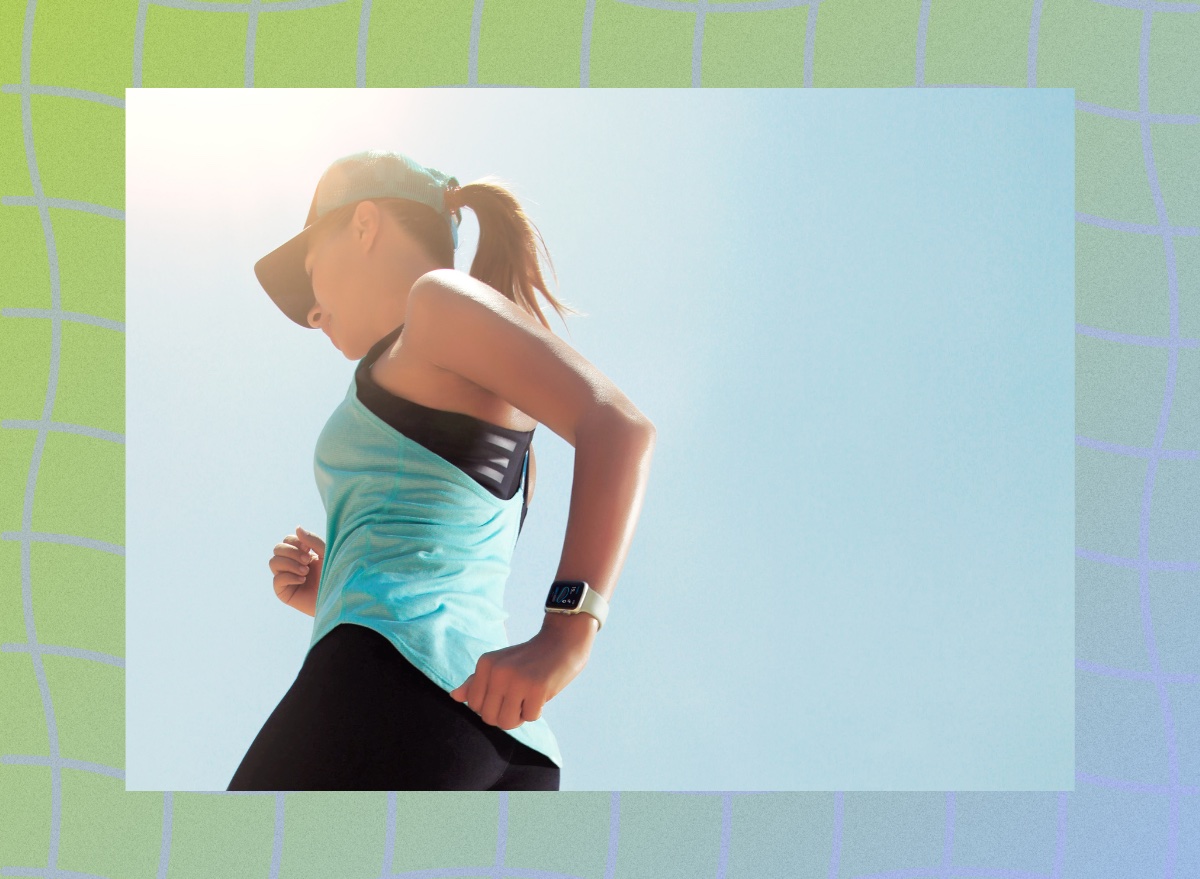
x: 636, y: 423
x: 613, y: 421
x: 643, y: 432
x: 648, y: 429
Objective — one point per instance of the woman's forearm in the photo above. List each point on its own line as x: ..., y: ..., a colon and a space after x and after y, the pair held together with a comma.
x: 612, y: 465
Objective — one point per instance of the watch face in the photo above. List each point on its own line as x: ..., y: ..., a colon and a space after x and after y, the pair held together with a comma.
x: 566, y: 595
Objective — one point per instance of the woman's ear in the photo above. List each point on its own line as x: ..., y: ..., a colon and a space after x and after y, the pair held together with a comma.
x: 364, y: 225
x: 366, y: 217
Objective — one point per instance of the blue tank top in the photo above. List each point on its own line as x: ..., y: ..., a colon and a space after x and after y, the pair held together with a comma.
x: 415, y: 549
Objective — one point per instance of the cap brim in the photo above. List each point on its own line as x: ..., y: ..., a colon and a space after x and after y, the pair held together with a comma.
x: 281, y: 273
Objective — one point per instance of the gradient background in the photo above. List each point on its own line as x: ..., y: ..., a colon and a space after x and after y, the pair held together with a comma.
x: 849, y: 315
x: 63, y: 71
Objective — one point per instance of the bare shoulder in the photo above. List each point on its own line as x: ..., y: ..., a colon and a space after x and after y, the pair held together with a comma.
x: 453, y: 290
x: 460, y: 324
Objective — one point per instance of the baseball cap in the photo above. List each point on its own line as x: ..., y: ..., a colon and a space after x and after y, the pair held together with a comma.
x: 362, y: 175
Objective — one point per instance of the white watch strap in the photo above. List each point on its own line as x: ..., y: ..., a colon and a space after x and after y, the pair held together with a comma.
x: 595, y: 604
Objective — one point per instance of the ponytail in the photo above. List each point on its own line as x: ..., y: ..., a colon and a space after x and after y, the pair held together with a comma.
x: 507, y: 256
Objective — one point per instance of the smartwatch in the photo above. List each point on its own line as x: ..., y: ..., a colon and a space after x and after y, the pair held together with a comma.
x: 576, y: 596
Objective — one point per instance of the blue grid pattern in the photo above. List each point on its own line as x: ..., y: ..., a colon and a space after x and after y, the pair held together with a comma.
x: 1163, y: 852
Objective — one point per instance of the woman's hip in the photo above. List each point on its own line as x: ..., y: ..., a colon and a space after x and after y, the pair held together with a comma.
x: 361, y: 716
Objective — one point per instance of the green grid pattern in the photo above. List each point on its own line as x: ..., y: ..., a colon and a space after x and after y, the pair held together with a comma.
x: 64, y: 66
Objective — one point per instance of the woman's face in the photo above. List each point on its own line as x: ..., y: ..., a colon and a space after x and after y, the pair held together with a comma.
x: 335, y: 273
x: 361, y: 275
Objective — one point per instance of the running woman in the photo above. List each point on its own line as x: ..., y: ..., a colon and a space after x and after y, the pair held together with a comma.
x: 426, y: 470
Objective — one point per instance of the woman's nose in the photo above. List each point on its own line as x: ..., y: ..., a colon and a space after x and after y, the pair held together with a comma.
x: 314, y: 317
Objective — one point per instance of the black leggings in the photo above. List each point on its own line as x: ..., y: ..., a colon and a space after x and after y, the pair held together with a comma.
x: 360, y: 716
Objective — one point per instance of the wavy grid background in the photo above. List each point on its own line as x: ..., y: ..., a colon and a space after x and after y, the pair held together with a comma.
x: 64, y: 65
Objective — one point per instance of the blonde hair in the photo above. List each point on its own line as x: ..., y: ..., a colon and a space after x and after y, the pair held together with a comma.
x: 507, y: 256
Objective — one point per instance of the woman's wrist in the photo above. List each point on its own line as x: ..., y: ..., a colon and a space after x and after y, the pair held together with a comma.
x: 581, y: 626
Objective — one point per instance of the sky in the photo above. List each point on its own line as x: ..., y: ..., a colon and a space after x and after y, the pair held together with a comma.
x: 849, y: 314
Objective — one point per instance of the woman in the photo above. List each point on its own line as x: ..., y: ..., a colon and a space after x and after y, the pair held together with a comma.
x: 409, y: 682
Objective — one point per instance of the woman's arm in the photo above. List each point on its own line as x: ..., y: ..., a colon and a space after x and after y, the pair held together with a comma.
x: 612, y: 464
x: 531, y: 480
x: 460, y: 324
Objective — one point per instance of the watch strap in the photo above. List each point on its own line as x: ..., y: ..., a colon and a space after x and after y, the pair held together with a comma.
x: 595, y: 604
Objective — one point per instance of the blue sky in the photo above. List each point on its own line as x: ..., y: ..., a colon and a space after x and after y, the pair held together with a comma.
x: 849, y: 314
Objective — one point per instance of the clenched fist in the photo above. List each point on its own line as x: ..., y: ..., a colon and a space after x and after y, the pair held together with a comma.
x: 296, y: 565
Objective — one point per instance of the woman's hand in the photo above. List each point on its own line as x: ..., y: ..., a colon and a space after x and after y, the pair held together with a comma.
x: 296, y: 566
x: 510, y: 685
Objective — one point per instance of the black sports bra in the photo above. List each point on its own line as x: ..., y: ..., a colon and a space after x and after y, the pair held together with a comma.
x: 490, y: 454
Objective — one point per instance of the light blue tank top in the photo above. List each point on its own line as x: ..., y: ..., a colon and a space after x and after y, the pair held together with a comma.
x: 415, y: 549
